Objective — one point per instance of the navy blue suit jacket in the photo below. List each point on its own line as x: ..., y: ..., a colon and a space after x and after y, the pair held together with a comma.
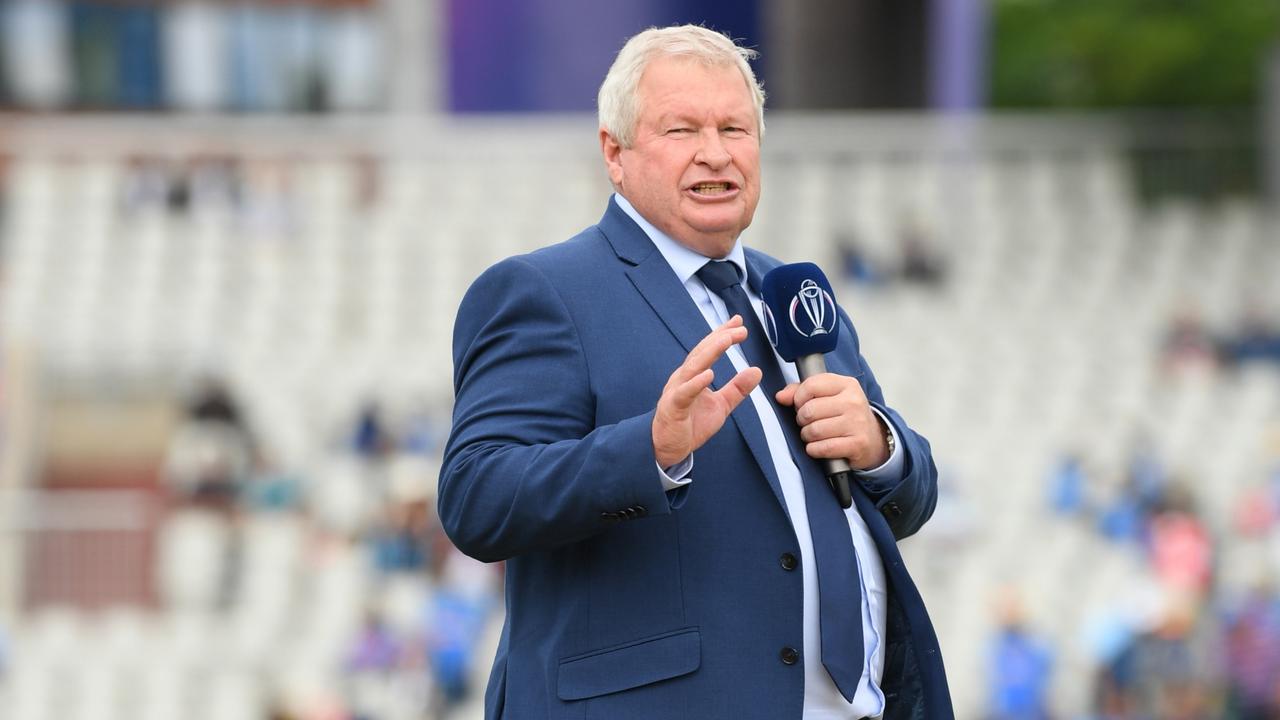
x: 625, y: 601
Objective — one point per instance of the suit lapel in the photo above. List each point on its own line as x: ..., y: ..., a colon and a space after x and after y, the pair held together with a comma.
x: 661, y: 289
x: 758, y: 265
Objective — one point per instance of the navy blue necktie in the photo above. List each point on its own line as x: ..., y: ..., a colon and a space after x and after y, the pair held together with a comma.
x: 839, y: 588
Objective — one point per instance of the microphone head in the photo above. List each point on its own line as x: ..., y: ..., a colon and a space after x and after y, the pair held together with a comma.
x: 800, y: 311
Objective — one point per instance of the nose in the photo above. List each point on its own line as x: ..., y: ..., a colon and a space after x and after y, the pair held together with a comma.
x: 711, y: 150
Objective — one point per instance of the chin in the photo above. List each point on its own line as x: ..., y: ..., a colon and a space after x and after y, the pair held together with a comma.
x: 715, y: 244
x: 732, y: 223
x: 721, y: 234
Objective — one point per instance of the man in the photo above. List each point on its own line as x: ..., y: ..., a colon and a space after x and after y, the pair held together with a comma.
x: 670, y: 548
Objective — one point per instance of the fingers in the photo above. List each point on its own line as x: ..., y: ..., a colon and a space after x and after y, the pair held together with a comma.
x: 828, y: 385
x: 684, y: 393
x: 737, y: 389
x: 836, y: 448
x: 822, y: 408
x: 863, y: 450
x: 787, y: 395
x: 861, y: 442
x: 710, y: 348
x: 827, y: 428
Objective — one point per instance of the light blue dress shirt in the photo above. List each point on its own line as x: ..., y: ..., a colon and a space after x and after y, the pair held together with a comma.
x: 822, y: 700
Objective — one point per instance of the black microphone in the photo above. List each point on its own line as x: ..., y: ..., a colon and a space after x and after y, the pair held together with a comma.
x: 802, y: 323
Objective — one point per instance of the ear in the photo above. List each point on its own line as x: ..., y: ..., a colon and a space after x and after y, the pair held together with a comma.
x: 612, y: 151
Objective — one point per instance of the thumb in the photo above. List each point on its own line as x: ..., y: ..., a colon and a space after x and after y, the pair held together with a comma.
x: 787, y: 395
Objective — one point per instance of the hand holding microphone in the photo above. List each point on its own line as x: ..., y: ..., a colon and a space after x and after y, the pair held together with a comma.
x: 836, y: 422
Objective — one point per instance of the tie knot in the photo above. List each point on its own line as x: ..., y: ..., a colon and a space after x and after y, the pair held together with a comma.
x: 718, y: 275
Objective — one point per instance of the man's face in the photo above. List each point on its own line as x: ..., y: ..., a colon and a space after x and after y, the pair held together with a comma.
x: 694, y: 167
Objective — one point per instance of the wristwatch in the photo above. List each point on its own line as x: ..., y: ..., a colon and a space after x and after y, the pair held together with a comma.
x: 888, y: 436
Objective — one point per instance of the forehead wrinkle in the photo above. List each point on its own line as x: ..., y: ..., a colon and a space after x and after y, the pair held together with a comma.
x: 645, y: 99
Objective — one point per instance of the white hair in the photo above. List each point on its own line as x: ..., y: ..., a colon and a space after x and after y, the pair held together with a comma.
x: 619, y: 102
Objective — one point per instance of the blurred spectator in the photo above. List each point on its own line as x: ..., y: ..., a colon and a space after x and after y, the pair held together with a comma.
x: 920, y: 261
x: 424, y: 429
x: 272, y: 489
x: 213, y: 402
x: 201, y: 184
x: 856, y: 264
x: 1253, y: 656
x: 402, y: 540
x: 459, y: 612
x: 376, y: 649
x: 145, y: 186
x: 1162, y: 674
x: 213, y: 451
x: 371, y: 439
x: 1256, y: 511
x: 1257, y: 339
x: 214, y: 184
x: 384, y: 672
x: 1181, y: 550
x: 1188, y: 345
x: 1067, y: 485
x: 1123, y: 520
x: 1020, y: 668
x: 1147, y: 476
x: 178, y: 194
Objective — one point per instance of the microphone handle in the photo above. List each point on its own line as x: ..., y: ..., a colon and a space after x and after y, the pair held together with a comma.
x: 837, y: 469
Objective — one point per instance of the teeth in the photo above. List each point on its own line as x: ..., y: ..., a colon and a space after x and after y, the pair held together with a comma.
x: 707, y: 188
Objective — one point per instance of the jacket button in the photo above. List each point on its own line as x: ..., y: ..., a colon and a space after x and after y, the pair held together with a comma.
x: 788, y: 562
x: 892, y: 510
x: 789, y: 656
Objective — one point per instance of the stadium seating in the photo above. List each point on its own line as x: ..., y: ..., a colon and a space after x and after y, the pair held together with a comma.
x: 315, y: 282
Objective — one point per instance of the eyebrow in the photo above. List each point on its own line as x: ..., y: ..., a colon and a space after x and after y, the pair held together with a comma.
x: 681, y: 117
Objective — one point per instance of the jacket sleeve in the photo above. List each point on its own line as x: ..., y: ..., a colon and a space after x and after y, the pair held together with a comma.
x: 526, y: 468
x: 908, y: 503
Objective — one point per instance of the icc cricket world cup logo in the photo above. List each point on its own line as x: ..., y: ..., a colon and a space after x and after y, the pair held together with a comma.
x: 819, y: 308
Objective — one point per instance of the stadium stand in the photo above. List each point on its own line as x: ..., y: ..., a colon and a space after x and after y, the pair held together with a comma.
x: 313, y: 281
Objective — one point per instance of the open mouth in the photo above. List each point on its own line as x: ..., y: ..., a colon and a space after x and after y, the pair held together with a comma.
x: 712, y: 188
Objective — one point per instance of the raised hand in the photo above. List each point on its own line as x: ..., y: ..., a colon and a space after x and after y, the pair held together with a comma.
x: 689, y: 411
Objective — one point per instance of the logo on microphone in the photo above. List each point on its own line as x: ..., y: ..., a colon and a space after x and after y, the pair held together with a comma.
x: 770, y: 327
x: 813, y: 310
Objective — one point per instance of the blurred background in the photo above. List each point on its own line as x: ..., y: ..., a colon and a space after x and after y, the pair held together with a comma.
x: 233, y: 236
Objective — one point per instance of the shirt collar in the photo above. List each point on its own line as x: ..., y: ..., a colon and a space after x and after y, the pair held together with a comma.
x: 683, y: 261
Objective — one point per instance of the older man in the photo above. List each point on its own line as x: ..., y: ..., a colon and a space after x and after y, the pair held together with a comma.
x: 673, y: 551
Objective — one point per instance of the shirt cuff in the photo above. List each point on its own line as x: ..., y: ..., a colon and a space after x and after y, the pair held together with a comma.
x: 891, y: 470
x: 677, y: 475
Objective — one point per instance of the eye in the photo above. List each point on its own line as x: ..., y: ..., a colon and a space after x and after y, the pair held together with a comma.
x: 679, y: 130
x: 734, y: 130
